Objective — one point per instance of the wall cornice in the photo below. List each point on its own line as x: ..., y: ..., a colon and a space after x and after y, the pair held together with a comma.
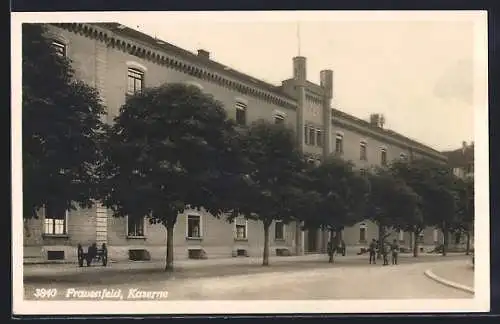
x: 157, y: 55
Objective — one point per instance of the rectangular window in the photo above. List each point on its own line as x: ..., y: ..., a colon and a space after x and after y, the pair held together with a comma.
x: 194, y: 226
x: 319, y: 137
x: 435, y: 235
x: 401, y: 235
x: 279, y: 230
x: 362, y: 233
x: 241, y: 113
x: 312, y: 135
x: 55, y: 220
x: 240, y: 228
x: 339, y: 145
x: 279, y: 119
x: 362, y: 151
x: 59, y: 47
x: 421, y: 237
x: 135, y: 226
x: 403, y: 157
x: 383, y: 157
x: 306, y: 135
x: 135, y: 81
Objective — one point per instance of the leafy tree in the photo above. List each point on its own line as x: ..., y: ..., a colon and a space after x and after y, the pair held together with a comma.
x: 435, y: 184
x: 272, y: 163
x: 464, y: 222
x: 169, y: 149
x: 342, y: 194
x: 390, y: 202
x: 61, y: 128
x: 416, y: 174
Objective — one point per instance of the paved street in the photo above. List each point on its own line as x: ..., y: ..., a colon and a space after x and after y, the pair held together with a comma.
x: 309, y: 277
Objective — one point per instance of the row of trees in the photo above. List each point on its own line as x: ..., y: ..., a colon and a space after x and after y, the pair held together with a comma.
x: 173, y: 148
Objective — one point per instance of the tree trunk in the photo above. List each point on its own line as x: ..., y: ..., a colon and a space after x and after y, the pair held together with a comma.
x: 169, y: 266
x: 467, y: 247
x: 265, y: 258
x: 415, y: 243
x: 411, y: 240
x: 381, y: 238
x: 445, y: 241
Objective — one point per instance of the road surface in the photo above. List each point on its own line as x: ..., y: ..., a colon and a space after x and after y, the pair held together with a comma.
x: 300, y: 281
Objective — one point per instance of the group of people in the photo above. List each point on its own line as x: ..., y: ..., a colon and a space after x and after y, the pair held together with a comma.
x: 385, y: 249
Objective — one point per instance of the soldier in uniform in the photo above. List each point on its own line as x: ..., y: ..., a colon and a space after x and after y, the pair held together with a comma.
x: 331, y: 250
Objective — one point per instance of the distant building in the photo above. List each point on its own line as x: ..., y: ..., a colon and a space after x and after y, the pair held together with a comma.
x: 461, y: 160
x: 118, y: 61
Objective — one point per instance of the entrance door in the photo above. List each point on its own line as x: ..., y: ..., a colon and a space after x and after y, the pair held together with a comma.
x: 312, y: 240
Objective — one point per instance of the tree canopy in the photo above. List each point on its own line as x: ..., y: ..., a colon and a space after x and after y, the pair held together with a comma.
x: 391, y: 202
x: 342, y: 193
x: 272, y: 165
x: 61, y: 128
x: 168, y: 150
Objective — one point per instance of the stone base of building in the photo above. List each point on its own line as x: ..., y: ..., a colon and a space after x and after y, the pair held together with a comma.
x: 151, y: 253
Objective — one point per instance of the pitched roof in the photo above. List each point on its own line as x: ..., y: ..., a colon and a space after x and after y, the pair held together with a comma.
x: 160, y: 44
x: 388, y: 132
x: 131, y: 33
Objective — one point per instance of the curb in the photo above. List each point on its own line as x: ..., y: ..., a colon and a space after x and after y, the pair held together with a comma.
x: 428, y: 273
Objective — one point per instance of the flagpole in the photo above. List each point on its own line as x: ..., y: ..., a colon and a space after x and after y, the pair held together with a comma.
x: 298, y: 38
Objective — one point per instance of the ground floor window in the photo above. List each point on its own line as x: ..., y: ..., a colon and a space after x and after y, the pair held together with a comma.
x: 135, y: 226
x: 420, y: 238
x: 240, y: 228
x: 401, y: 235
x: 279, y: 230
x: 55, y: 220
x: 362, y: 232
x: 194, y: 226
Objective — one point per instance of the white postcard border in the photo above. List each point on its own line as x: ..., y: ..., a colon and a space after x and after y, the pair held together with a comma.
x: 479, y: 303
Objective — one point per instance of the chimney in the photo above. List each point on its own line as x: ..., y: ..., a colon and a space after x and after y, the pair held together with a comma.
x: 375, y: 120
x: 204, y: 54
x: 326, y: 82
x: 464, y: 146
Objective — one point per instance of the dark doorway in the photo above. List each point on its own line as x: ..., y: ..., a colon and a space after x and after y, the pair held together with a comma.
x: 312, y: 240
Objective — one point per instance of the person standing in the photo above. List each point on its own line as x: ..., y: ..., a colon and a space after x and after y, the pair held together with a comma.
x: 342, y: 245
x: 395, y: 251
x: 385, y: 252
x: 372, y: 250
x: 331, y: 250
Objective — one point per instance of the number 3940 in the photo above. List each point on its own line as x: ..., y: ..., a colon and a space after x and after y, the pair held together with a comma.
x: 45, y: 293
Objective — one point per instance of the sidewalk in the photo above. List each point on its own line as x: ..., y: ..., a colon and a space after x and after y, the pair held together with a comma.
x: 461, y: 274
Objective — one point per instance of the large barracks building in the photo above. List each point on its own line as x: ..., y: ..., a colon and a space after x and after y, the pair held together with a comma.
x: 118, y: 61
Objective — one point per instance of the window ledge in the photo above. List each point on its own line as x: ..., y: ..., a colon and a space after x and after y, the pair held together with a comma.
x: 134, y: 237
x: 279, y: 240
x: 241, y: 239
x: 55, y: 235
x: 194, y: 238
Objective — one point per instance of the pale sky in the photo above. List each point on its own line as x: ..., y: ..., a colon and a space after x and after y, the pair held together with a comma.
x: 419, y: 74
